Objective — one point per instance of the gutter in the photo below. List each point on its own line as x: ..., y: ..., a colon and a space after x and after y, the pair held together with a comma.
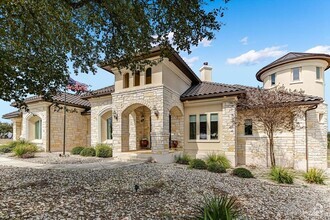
x: 306, y: 133
x: 49, y: 127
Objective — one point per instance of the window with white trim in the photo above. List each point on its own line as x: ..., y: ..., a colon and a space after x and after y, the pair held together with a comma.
x: 109, y: 128
x: 318, y: 73
x: 192, y: 127
x: 296, y: 74
x: 38, y: 129
x: 214, y: 128
x: 202, y: 126
x: 273, y: 79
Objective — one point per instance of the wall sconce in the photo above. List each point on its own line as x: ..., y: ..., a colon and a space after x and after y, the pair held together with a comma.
x: 115, y: 115
x: 156, y: 112
x: 142, y: 118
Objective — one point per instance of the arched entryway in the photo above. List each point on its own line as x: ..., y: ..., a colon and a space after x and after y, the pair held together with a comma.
x: 176, y: 127
x: 106, y: 127
x: 34, y: 128
x: 136, y: 128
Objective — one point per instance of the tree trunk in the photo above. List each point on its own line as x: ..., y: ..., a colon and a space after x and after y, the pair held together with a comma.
x: 271, y: 150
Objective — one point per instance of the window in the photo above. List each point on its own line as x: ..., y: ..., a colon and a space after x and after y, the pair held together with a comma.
x: 296, y: 74
x: 38, y: 129
x: 248, y: 127
x: 148, y: 76
x: 126, y: 80
x: 202, y: 127
x: 214, y: 126
x: 109, y: 128
x: 137, y: 78
x: 273, y: 79
x: 318, y: 73
x: 192, y: 127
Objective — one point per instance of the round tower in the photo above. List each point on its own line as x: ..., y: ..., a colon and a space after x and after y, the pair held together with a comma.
x: 297, y: 71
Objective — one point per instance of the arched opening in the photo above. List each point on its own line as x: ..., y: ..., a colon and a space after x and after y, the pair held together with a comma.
x: 34, y: 128
x: 106, y: 127
x: 137, y: 78
x: 136, y: 127
x: 148, y: 76
x: 176, y: 127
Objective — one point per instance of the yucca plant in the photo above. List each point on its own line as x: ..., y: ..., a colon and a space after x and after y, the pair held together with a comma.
x: 217, y: 208
x: 314, y: 175
x: 218, y: 158
x: 281, y: 175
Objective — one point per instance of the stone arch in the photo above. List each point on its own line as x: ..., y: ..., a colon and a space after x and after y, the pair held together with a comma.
x: 105, y: 129
x: 33, y: 127
x: 134, y: 105
x: 135, y: 126
x: 176, y: 126
x: 178, y: 105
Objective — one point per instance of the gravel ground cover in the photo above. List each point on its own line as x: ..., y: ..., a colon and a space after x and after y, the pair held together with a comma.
x: 166, y: 191
x: 54, y: 158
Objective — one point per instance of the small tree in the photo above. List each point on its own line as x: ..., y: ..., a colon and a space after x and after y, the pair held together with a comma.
x: 275, y: 110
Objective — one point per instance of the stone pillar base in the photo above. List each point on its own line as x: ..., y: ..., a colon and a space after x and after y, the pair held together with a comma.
x: 159, y: 143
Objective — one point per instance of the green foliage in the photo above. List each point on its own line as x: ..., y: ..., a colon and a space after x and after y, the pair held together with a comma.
x: 25, y: 149
x: 315, y: 176
x: 217, y: 208
x: 7, y: 148
x: 218, y: 158
x: 242, y: 172
x: 281, y: 175
x: 197, y: 164
x: 88, y: 152
x: 76, y: 150
x: 103, y: 150
x: 215, y: 167
x: 5, y: 128
x: 183, y: 159
x: 39, y: 37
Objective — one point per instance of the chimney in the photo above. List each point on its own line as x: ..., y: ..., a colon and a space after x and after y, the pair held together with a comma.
x: 206, y: 72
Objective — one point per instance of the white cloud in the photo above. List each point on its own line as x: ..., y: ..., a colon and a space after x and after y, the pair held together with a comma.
x: 190, y: 61
x: 205, y: 42
x: 254, y: 57
x: 244, y: 40
x: 319, y: 49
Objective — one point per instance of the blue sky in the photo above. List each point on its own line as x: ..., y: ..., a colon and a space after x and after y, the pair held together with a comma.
x: 255, y: 33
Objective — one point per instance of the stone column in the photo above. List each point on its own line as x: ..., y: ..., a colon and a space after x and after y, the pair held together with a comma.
x: 116, y: 134
x: 160, y: 131
x: 229, y: 131
x: 299, y: 135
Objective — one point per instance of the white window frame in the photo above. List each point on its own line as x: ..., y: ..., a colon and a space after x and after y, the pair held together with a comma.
x: 208, y: 127
x: 299, y: 74
x: 271, y: 79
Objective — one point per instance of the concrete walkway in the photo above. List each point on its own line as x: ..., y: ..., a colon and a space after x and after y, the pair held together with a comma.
x: 110, y: 164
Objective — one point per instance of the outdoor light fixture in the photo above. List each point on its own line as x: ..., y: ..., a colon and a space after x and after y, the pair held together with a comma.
x: 115, y: 115
x: 156, y: 112
x: 142, y: 118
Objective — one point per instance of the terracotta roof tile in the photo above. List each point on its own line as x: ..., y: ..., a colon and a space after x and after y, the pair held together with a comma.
x: 99, y: 92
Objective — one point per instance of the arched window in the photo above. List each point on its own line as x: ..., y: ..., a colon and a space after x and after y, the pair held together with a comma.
x: 126, y: 80
x: 38, y: 129
x: 109, y: 128
x: 137, y: 78
x: 148, y: 76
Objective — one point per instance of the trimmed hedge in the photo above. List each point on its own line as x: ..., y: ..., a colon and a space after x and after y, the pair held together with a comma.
x: 77, y: 150
x: 103, y: 150
x: 242, y: 172
x: 215, y: 167
x: 88, y: 152
x: 198, y: 164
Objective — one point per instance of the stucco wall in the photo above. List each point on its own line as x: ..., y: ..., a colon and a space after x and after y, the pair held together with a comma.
x: 307, y: 82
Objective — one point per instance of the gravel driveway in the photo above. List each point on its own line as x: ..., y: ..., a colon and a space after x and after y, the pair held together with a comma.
x: 167, y: 191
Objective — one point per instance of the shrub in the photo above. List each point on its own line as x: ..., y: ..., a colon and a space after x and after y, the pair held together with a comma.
x: 7, y: 148
x: 88, y: 152
x: 183, y: 159
x: 198, y: 164
x: 281, y: 175
x: 315, y: 176
x: 218, y: 158
x: 103, y: 150
x: 242, y: 172
x: 217, y: 207
x: 25, y: 149
x: 76, y: 150
x: 215, y: 168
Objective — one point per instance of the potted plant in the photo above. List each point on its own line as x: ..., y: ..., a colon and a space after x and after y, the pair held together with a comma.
x: 174, y: 144
x: 144, y: 143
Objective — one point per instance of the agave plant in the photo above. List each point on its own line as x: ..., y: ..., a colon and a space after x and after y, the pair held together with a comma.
x: 217, y: 208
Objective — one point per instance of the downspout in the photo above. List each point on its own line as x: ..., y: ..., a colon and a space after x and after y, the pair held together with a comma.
x: 49, y: 127
x: 306, y: 134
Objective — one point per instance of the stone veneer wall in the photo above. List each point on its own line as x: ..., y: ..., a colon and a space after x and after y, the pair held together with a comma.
x: 17, y: 128
x: 317, y: 128
x: 76, y: 129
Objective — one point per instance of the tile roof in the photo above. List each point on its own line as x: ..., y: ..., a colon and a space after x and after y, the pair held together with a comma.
x: 10, y: 115
x: 71, y: 99
x: 292, y: 57
x: 99, y: 92
x: 209, y: 90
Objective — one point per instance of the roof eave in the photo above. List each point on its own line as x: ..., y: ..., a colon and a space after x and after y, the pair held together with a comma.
x: 209, y: 96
